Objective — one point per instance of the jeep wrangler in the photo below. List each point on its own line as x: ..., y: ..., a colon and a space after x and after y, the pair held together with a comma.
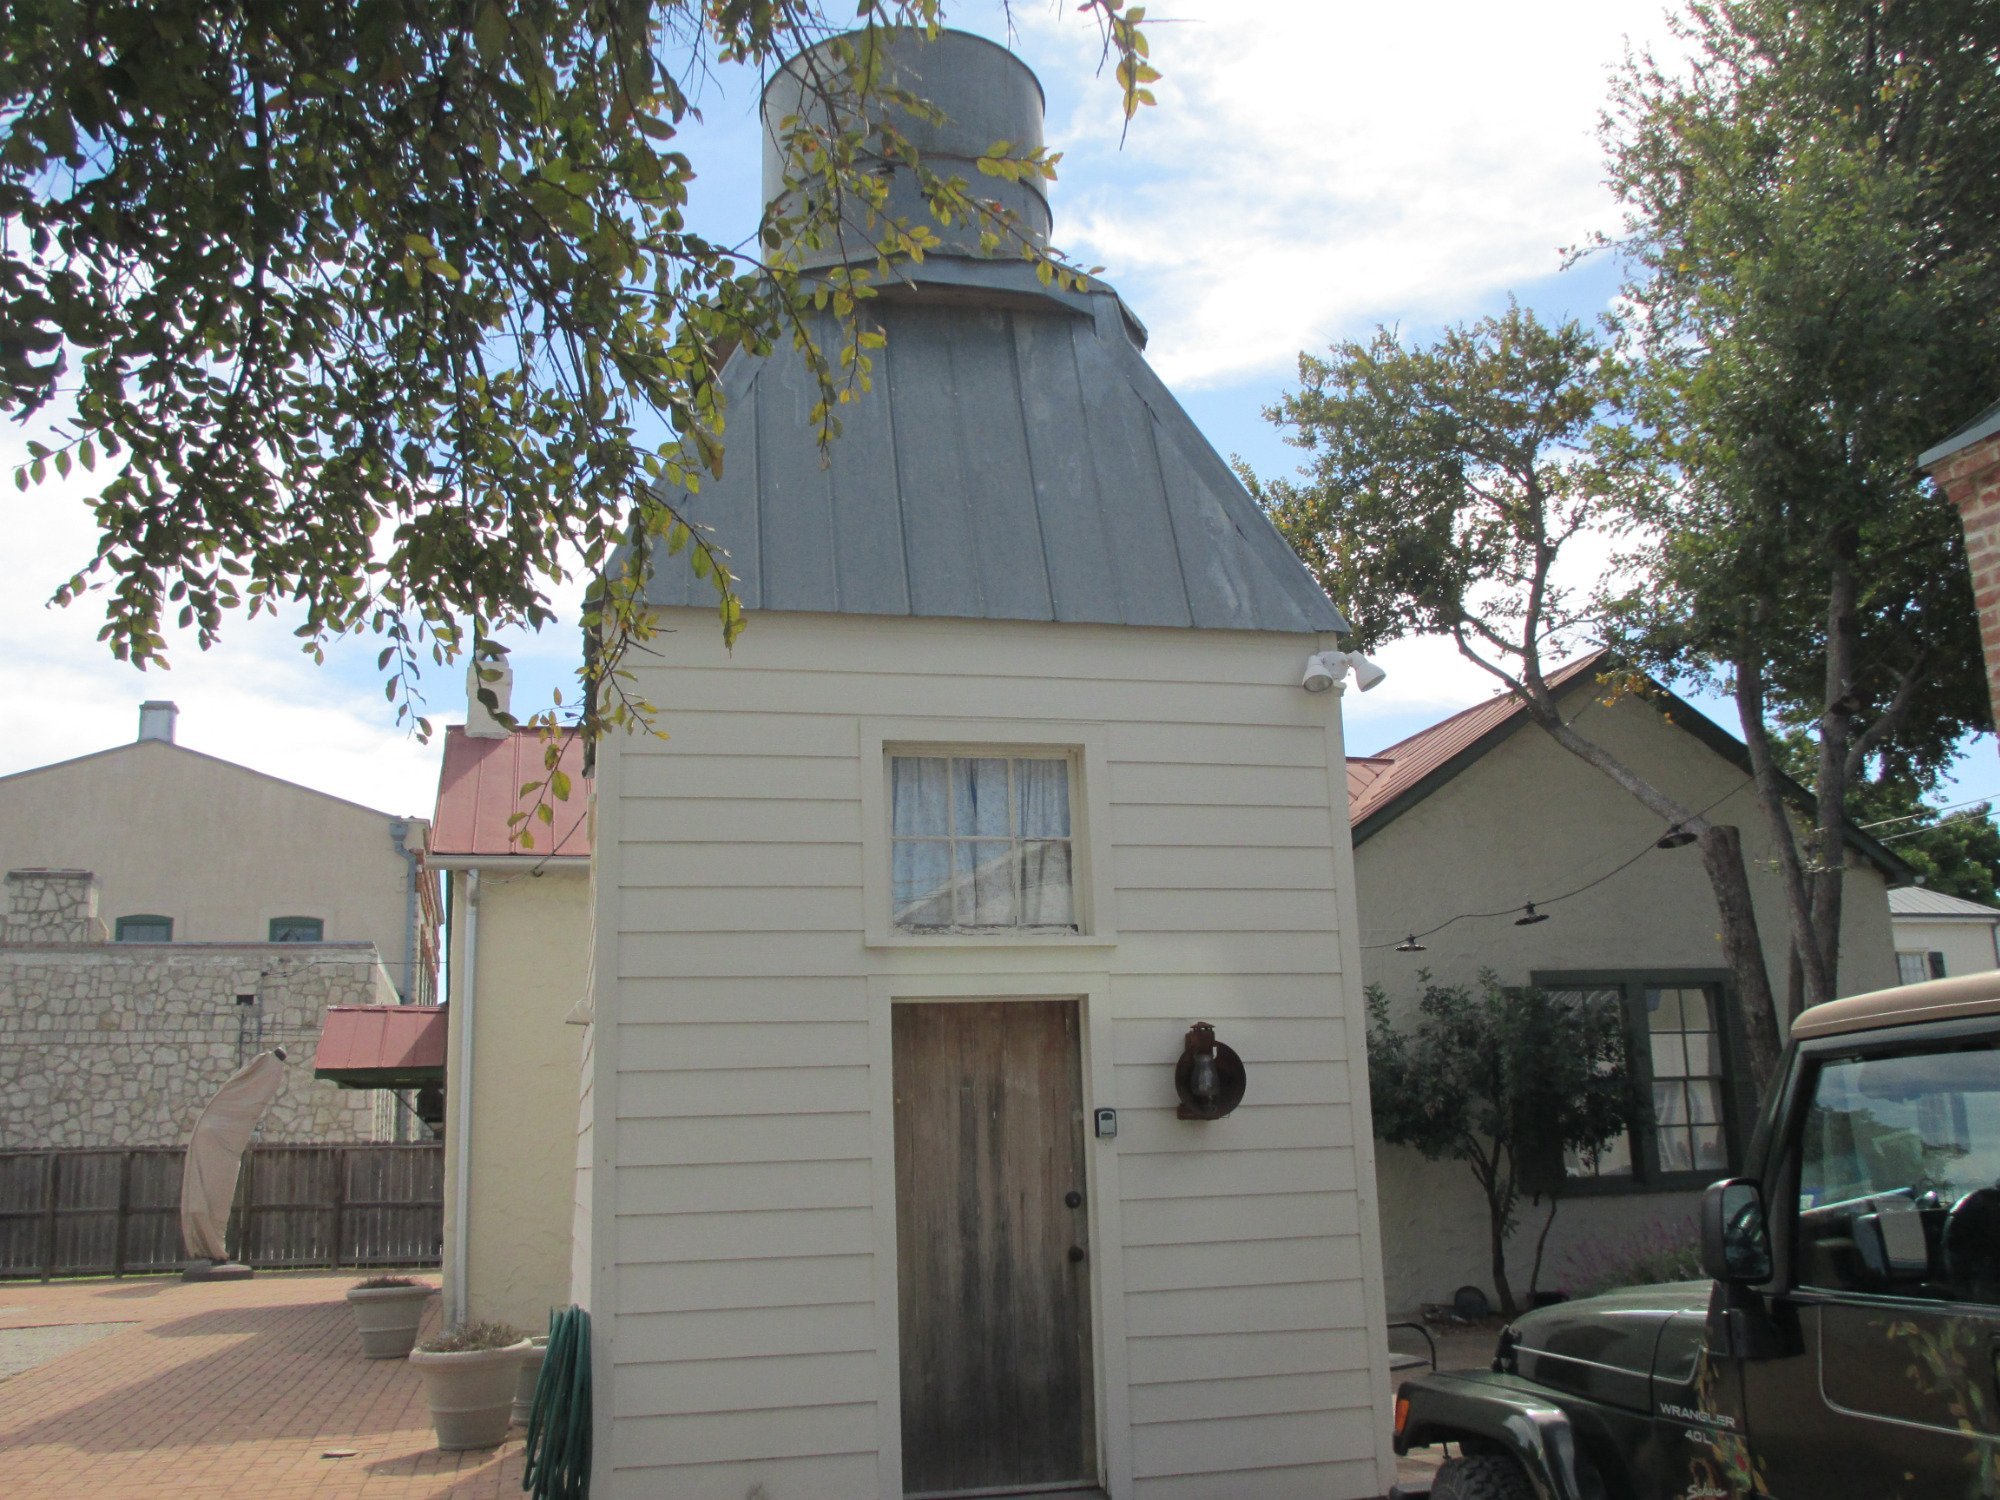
x: 1845, y: 1345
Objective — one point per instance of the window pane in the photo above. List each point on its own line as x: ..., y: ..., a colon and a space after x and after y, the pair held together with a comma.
x: 1705, y: 1103
x: 297, y: 929
x: 979, y: 797
x: 1669, y: 1104
x: 1708, y: 1153
x: 1669, y: 1056
x: 1891, y: 1148
x: 1045, y: 886
x: 1694, y: 1011
x: 1704, y: 1060
x: 1676, y: 1151
x: 923, y: 884
x: 918, y: 790
x: 1042, y: 788
x: 145, y: 930
x: 1613, y: 1160
x: 985, y: 884
x: 1663, y: 1010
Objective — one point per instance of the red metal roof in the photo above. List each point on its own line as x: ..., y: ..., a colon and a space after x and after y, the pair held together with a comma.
x: 1374, y: 781
x: 479, y: 790
x: 381, y: 1046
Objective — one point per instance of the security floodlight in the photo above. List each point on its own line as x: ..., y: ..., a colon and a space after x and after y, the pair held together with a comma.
x: 1328, y: 668
x: 1366, y: 674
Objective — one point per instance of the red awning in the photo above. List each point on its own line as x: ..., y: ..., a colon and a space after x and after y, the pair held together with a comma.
x: 381, y: 1046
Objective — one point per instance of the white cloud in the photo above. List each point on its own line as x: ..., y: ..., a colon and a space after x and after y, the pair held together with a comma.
x: 1313, y: 168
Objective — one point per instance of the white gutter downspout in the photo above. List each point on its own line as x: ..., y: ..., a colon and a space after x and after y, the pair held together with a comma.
x: 461, y: 1107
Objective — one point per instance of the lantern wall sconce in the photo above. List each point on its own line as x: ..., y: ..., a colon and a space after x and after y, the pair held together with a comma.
x: 1209, y: 1077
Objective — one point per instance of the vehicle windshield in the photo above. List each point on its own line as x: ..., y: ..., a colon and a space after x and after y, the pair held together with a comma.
x: 1898, y: 1168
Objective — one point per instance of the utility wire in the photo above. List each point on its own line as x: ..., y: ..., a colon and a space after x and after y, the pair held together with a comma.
x: 1928, y: 812
x: 1508, y: 911
x: 1974, y: 817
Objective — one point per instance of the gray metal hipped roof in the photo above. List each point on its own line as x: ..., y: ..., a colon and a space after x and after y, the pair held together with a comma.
x: 1016, y: 459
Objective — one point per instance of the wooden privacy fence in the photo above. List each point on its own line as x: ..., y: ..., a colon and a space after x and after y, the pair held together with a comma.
x: 108, y: 1213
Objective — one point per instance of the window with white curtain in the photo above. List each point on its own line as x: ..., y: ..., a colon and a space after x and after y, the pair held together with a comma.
x: 980, y: 842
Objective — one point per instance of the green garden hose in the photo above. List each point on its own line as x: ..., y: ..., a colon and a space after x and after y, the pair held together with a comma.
x: 559, y: 1427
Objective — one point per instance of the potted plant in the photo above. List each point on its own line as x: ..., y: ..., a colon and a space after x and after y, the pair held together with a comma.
x: 387, y: 1312
x: 530, y: 1377
x: 469, y: 1375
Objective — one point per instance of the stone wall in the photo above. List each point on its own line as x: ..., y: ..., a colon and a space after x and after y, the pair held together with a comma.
x: 52, y: 906
x: 121, y: 1044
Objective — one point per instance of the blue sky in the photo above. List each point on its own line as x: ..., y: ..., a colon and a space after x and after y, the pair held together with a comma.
x: 1314, y: 168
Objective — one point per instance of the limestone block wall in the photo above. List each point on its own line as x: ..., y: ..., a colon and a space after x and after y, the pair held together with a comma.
x: 122, y: 1044
x: 52, y: 906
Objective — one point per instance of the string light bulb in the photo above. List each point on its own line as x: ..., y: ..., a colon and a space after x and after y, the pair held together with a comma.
x: 1675, y: 837
x: 1411, y: 945
x: 1530, y: 916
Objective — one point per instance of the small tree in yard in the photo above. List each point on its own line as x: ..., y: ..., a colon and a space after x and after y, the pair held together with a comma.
x: 1508, y: 1081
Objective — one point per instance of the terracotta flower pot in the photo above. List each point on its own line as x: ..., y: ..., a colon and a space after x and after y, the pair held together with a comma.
x: 471, y: 1394
x: 388, y: 1317
x: 531, y: 1373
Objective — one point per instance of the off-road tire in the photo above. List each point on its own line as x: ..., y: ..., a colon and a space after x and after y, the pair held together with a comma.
x: 1484, y: 1476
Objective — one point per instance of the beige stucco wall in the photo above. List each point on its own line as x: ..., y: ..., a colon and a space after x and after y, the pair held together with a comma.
x: 744, y: 1264
x: 1965, y: 942
x: 533, y: 947
x: 1530, y: 821
x: 218, y: 847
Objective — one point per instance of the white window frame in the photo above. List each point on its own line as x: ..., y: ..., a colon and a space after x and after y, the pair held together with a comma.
x: 1085, y: 746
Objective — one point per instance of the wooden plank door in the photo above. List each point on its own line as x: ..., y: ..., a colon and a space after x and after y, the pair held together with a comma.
x: 993, y: 1275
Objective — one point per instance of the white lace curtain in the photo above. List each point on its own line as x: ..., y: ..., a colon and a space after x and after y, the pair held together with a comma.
x: 981, y: 841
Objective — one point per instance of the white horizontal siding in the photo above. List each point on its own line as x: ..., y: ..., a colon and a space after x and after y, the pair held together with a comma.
x: 745, y: 1218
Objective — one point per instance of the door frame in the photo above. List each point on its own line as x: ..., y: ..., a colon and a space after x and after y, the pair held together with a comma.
x: 1091, y: 993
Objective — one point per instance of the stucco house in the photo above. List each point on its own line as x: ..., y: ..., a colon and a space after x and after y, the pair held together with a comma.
x: 171, y: 914
x: 1483, y: 813
x: 1939, y: 935
x: 901, y: 938
x: 517, y: 923
x: 191, y: 848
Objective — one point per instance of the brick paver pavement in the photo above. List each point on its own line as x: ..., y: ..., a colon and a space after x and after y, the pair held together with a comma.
x: 223, y: 1389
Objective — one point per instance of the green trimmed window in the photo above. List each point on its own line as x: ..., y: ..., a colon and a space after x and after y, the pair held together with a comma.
x: 1680, y: 1047
x: 297, y: 930
x: 144, y: 928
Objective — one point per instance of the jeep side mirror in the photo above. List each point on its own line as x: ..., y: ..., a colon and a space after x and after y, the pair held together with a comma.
x: 1735, y: 1244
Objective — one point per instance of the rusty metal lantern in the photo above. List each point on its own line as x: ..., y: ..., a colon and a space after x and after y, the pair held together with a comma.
x: 1209, y: 1077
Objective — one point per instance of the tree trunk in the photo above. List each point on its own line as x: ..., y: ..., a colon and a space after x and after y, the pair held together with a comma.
x: 1541, y: 1244
x: 1497, y: 1225
x: 1836, y: 733
x: 1742, y: 949
x: 1799, y: 887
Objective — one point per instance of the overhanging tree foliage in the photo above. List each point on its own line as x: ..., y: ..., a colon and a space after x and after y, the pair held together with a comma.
x: 1815, y: 226
x: 386, y: 311
x: 1955, y: 851
x: 1447, y: 489
x: 1510, y: 1082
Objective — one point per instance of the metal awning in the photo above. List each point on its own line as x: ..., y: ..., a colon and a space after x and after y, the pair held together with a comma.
x: 382, y: 1046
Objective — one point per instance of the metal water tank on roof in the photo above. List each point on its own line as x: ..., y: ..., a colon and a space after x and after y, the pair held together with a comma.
x: 1016, y: 459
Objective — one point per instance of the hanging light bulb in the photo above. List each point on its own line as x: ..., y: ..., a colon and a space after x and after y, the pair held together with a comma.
x: 1675, y: 837
x: 1530, y: 916
x: 1411, y: 945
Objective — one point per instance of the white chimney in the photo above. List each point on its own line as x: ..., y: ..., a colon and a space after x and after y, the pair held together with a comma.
x: 479, y: 721
x: 156, y: 721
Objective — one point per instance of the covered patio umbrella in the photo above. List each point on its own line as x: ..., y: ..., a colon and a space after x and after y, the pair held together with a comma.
x: 215, y: 1153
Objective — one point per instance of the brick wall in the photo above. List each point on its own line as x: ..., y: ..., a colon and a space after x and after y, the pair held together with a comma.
x: 1971, y: 477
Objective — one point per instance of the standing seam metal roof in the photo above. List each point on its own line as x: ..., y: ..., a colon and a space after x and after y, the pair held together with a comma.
x: 1017, y: 459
